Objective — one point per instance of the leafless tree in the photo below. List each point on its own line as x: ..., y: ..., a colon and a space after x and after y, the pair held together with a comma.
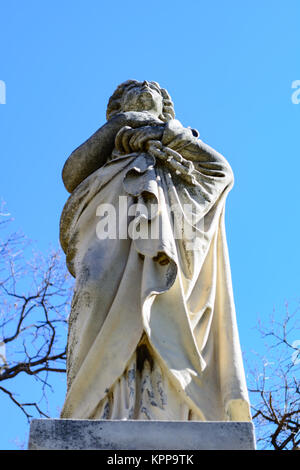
x: 35, y: 294
x: 34, y: 304
x: 274, y: 384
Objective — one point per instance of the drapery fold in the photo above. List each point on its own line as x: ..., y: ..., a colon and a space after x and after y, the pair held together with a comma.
x: 183, y: 306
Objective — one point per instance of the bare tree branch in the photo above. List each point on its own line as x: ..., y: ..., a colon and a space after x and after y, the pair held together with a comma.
x: 35, y: 293
x: 274, y: 384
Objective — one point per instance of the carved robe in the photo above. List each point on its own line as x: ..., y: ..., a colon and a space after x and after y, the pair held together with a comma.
x: 150, y: 340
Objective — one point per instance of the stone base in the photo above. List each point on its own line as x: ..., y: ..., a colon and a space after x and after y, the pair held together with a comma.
x: 54, y: 434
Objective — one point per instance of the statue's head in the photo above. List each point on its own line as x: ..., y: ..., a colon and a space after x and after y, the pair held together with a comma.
x: 133, y: 95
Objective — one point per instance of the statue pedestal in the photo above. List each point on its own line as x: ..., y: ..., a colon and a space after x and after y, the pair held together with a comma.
x: 54, y: 434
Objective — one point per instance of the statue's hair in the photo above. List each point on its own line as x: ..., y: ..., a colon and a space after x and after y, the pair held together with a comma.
x: 115, y: 101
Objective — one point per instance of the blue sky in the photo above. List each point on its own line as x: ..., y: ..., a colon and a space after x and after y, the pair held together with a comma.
x: 229, y: 67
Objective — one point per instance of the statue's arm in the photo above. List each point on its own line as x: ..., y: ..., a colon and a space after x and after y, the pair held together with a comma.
x: 205, y: 158
x: 93, y: 153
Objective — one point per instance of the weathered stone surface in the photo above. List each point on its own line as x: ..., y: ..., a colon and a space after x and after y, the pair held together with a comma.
x: 54, y: 434
x: 152, y: 329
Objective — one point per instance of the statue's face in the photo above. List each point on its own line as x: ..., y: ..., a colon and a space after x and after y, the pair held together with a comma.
x: 143, y: 96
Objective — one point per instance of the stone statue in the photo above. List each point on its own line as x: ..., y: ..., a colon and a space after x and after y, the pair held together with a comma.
x: 152, y: 328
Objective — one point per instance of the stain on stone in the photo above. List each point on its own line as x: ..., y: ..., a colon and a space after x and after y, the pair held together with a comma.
x: 161, y: 258
x: 105, y: 413
x: 145, y: 412
x: 84, y: 275
x: 151, y: 395
x: 163, y: 396
x: 131, y: 382
x: 131, y: 413
x: 131, y: 376
x: 143, y: 354
x: 171, y: 274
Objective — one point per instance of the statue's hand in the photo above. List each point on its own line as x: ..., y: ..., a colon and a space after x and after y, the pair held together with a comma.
x: 133, y: 140
x: 178, y: 138
x: 141, y: 136
x: 122, y: 139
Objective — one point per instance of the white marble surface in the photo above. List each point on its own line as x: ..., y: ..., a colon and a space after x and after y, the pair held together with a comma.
x: 152, y: 313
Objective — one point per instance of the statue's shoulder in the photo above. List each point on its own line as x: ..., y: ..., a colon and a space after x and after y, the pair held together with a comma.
x: 93, y: 153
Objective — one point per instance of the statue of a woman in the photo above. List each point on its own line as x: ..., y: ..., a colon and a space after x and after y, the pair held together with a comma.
x: 152, y: 329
